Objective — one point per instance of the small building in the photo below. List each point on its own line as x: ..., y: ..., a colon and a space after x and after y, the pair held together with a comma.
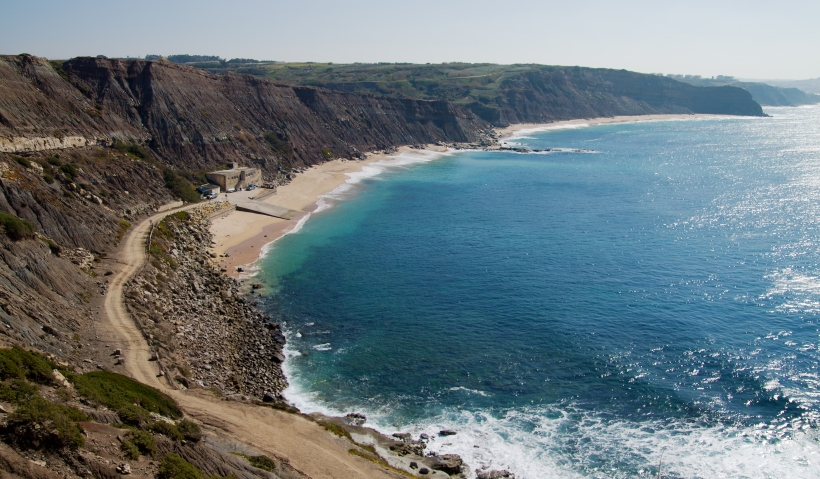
x: 235, y: 178
x: 208, y: 189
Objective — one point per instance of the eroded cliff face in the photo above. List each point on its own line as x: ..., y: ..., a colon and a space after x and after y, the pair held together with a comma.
x: 195, y: 121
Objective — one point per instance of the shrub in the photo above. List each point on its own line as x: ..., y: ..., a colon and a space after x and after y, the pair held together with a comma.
x: 42, y: 424
x: 167, y: 429
x: 70, y: 169
x: 18, y: 363
x: 262, y: 462
x: 189, y: 430
x: 327, y: 153
x: 175, y: 467
x: 15, y: 227
x: 54, y: 160
x: 181, y: 188
x: 23, y: 161
x: 130, y: 450
x: 133, y: 415
x: 18, y: 392
x: 144, y: 442
x: 117, y: 391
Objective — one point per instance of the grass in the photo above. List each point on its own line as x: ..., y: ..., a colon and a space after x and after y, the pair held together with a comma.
x: 117, y: 392
x: 38, y: 423
x: 17, y: 363
x: 16, y: 228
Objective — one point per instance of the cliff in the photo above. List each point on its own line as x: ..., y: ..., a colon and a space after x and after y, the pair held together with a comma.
x: 504, y: 94
x: 194, y: 121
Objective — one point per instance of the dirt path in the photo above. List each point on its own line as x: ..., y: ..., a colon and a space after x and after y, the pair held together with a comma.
x: 307, y: 446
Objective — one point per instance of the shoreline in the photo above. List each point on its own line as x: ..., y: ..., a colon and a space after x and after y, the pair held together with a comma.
x: 511, y: 131
x: 246, y: 237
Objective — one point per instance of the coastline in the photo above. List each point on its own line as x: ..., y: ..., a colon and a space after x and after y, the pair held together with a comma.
x: 244, y: 236
x: 515, y: 130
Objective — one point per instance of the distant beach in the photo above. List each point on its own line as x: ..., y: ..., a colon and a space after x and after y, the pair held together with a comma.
x: 523, y: 128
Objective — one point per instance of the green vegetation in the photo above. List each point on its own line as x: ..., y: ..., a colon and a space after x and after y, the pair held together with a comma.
x: 336, y: 429
x: 279, y: 143
x: 131, y: 149
x: 58, y: 67
x: 175, y: 467
x: 17, y: 363
x: 379, y: 461
x: 181, y: 188
x: 124, y: 226
x: 262, y: 462
x: 120, y: 393
x: 23, y: 161
x: 38, y: 423
x: 70, y: 170
x: 327, y: 153
x: 177, y: 432
x: 16, y: 228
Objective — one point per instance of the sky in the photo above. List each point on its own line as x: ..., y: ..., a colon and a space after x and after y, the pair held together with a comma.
x: 746, y: 39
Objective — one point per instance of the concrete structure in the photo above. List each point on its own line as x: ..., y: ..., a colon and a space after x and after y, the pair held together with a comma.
x: 268, y: 209
x: 235, y: 178
x: 208, y: 189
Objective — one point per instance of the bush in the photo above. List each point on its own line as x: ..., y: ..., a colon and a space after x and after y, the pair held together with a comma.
x: 18, y: 392
x: 189, y: 430
x: 167, y: 429
x: 15, y: 227
x: 116, y: 391
x: 133, y: 415
x: 175, y: 467
x: 23, y: 161
x: 70, y: 169
x: 54, y: 160
x: 41, y: 424
x: 262, y: 462
x: 144, y: 442
x: 130, y: 450
x: 181, y: 188
x: 17, y: 363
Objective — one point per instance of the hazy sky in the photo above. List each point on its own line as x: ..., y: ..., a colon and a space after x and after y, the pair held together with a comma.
x: 750, y: 39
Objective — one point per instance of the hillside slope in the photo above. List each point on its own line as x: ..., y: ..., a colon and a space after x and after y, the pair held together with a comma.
x: 504, y: 94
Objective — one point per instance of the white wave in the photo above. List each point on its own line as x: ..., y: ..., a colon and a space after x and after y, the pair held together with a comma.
x: 525, y: 132
x: 322, y: 347
x: 468, y: 390
x: 398, y: 161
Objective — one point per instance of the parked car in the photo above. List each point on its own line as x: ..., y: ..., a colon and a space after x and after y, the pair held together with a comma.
x: 251, y: 187
x: 231, y: 190
x: 210, y: 196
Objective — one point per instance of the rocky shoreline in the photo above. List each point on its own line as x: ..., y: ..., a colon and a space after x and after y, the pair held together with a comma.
x: 201, y: 329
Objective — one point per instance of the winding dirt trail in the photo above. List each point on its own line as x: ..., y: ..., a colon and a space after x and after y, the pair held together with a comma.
x: 308, y: 447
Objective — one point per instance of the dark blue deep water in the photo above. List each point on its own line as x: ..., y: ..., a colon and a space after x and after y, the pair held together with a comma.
x: 655, y: 300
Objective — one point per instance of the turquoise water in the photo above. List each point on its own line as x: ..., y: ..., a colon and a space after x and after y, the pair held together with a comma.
x: 651, y: 301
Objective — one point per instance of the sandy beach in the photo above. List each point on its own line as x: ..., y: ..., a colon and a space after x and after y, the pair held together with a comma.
x: 242, y: 236
x: 519, y: 128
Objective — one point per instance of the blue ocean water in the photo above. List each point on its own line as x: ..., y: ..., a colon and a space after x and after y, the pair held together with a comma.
x: 651, y: 301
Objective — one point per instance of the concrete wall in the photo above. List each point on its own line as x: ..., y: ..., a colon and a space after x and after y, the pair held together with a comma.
x: 238, y: 178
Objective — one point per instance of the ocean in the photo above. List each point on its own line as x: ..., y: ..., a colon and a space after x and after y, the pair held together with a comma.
x: 642, y: 296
